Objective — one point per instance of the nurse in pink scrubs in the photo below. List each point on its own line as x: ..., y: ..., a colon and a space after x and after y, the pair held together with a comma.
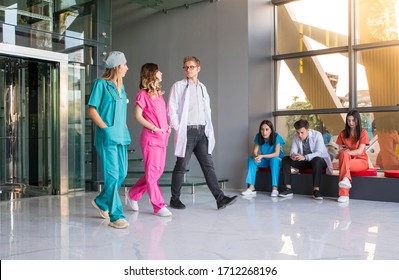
x: 150, y: 112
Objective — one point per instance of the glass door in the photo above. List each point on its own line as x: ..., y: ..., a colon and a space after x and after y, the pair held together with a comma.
x: 28, y: 105
x: 76, y: 128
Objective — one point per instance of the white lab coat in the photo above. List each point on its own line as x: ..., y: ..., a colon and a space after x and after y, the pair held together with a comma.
x: 179, y: 100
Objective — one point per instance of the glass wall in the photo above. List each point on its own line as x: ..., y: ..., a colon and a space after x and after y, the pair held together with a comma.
x: 313, y: 82
x: 378, y: 84
x: 76, y: 27
x: 310, y: 25
x: 81, y: 29
x: 376, y: 21
x: 76, y: 127
x: 333, y: 56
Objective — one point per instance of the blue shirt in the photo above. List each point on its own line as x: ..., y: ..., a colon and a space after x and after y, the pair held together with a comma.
x: 326, y: 138
x: 266, y: 148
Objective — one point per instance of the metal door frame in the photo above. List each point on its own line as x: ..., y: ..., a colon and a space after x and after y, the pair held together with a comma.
x: 62, y: 60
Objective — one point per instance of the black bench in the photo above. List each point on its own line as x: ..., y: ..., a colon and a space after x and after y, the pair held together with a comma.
x: 374, y: 188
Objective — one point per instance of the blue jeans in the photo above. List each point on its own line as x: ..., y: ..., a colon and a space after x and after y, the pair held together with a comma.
x: 274, y: 163
x: 197, y: 143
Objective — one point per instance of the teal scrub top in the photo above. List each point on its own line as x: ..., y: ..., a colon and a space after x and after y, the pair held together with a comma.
x: 112, y: 108
x: 266, y: 148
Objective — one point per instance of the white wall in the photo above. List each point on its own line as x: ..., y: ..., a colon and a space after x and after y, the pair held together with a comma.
x: 232, y: 38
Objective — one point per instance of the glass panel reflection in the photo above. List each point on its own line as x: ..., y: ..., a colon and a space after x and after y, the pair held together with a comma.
x: 62, y: 26
x: 298, y: 24
x: 378, y: 84
x: 376, y: 20
x: 76, y: 127
x: 26, y: 126
x: 313, y: 82
x: 386, y: 126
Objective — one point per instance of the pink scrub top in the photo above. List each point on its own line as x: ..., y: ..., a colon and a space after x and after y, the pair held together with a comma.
x: 154, y: 111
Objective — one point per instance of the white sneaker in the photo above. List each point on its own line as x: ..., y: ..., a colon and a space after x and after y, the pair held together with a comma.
x: 248, y: 192
x: 133, y: 204
x: 274, y: 193
x: 345, y: 183
x: 164, y: 212
x: 343, y: 199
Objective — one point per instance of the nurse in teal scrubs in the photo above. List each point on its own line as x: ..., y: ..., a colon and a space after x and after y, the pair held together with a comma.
x: 108, y: 109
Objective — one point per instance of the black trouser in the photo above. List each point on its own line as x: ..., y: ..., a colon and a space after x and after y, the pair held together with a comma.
x: 197, y: 143
x: 317, y: 164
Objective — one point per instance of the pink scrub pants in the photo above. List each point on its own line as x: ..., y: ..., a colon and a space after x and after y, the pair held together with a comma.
x: 154, y: 163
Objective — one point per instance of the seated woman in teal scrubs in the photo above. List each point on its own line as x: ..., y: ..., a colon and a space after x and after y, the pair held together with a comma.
x: 267, y: 152
x: 107, y: 109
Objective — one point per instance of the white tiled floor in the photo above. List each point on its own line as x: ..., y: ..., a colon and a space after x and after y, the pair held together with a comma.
x: 301, y: 228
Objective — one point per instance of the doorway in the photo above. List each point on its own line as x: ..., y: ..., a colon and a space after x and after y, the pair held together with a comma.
x: 28, y: 110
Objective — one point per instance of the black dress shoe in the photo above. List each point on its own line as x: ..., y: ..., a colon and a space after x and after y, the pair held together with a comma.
x: 177, y: 204
x: 226, y: 201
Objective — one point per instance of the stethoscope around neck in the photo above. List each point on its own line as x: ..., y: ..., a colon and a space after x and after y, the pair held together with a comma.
x: 202, y: 90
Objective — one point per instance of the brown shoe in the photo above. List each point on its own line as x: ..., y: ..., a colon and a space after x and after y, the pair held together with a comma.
x: 120, y: 223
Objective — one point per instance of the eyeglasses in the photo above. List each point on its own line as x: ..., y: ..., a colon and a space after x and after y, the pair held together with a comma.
x: 191, y: 67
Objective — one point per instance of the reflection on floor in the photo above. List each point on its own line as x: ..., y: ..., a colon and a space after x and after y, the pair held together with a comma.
x: 300, y: 228
x: 11, y: 191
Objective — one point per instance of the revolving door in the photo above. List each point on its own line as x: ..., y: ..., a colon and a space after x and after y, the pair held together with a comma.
x: 27, y: 126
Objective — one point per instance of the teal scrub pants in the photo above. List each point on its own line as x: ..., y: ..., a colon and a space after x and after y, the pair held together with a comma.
x: 274, y: 164
x: 113, y: 159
